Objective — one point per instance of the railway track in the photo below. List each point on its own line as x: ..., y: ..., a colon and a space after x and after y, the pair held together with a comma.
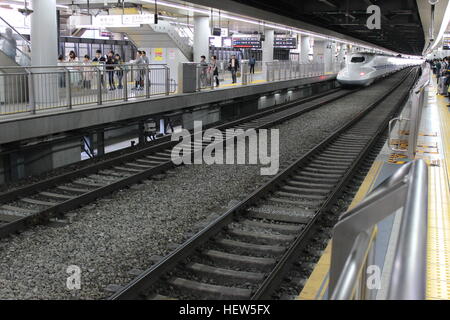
x: 246, y: 252
x: 49, y: 199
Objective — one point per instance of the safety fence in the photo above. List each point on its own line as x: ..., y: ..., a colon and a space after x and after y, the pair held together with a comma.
x: 261, y: 72
x: 404, y: 137
x: 287, y: 70
x: 32, y: 89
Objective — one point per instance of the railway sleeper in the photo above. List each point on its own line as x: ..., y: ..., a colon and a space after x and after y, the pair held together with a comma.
x: 71, y: 189
x: 282, y: 228
x: 38, y: 202
x: 126, y: 169
x: 327, y: 171
x: 322, y: 179
x: 330, y: 159
x: 152, y: 163
x: 210, y: 290
x: 246, y: 248
x: 299, y: 184
x: 342, y: 156
x: 221, y: 274
x: 320, y: 175
x: 240, y: 261
x: 7, y: 218
x: 280, y: 217
x: 56, y: 196
x: 13, y: 209
x: 260, y: 236
x: 315, y: 164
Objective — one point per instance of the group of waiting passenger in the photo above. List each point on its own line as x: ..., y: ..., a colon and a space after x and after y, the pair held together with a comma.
x: 441, y: 68
x: 112, y: 64
x: 209, y: 73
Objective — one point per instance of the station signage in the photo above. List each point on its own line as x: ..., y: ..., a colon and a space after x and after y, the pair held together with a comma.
x: 446, y: 43
x: 285, y: 43
x: 247, y: 42
x: 114, y: 20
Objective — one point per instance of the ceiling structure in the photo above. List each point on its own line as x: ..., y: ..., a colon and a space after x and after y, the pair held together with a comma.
x: 401, y: 27
x: 405, y: 24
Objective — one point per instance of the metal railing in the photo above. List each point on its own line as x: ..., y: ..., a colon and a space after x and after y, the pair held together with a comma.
x: 31, y: 89
x: 287, y: 70
x: 264, y: 71
x: 354, y: 239
x: 20, y: 50
x: 404, y: 139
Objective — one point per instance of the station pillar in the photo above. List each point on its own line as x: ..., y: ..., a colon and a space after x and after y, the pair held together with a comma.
x: 342, y: 53
x: 319, y: 51
x: 202, y: 33
x: 304, y: 49
x: 44, y: 52
x: 328, y: 55
x: 267, y: 48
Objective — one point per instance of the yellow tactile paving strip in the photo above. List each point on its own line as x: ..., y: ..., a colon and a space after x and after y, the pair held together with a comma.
x: 317, y: 283
x: 438, y: 251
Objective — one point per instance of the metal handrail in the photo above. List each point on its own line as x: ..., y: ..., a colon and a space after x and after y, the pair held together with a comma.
x: 15, y: 30
x: 407, y: 188
x: 81, y: 64
x: 415, y: 103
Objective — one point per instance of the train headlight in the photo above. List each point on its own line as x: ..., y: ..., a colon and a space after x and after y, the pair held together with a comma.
x: 362, y: 74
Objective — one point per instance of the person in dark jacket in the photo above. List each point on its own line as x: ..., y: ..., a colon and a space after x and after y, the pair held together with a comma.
x: 100, y: 60
x: 233, y: 66
x: 214, y: 70
x: 252, y: 63
x: 110, y: 66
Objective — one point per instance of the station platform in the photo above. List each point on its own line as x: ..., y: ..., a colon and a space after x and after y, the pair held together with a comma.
x: 22, y: 126
x: 434, y: 147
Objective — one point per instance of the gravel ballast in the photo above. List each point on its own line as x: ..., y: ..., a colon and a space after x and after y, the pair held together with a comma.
x: 118, y: 233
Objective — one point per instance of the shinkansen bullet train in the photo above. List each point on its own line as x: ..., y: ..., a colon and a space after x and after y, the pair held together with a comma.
x: 362, y: 69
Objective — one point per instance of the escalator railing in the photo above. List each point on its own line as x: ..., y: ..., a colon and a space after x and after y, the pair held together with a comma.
x: 14, y: 45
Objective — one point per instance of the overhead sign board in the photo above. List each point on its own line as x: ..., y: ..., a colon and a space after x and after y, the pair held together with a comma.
x: 285, y: 43
x: 446, y: 43
x: 113, y: 20
x: 247, y: 42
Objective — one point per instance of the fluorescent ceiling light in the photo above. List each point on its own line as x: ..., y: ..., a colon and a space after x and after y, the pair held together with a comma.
x: 270, y: 25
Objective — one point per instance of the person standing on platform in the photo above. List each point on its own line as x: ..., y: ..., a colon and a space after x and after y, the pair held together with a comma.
x: 73, y: 56
x: 9, y: 45
x: 203, y: 71
x: 100, y: 61
x: 252, y: 63
x: 61, y: 75
x: 145, y: 58
x: 139, y: 62
x: 438, y: 68
x: 119, y: 70
x: 214, y: 70
x: 88, y: 72
x: 233, y: 66
x: 110, y: 66
x: 147, y: 62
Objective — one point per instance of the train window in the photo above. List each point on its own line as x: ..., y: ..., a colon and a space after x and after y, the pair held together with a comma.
x: 358, y: 59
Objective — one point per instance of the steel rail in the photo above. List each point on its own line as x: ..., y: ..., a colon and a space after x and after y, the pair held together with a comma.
x: 148, y: 278
x: 276, y: 275
x: 77, y: 201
